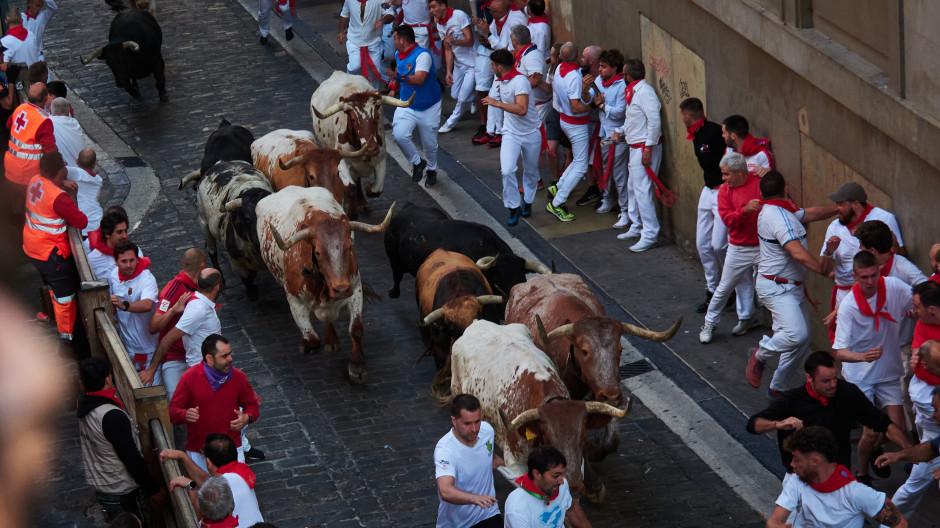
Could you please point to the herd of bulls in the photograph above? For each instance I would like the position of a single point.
(282, 203)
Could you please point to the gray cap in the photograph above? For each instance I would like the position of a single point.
(849, 192)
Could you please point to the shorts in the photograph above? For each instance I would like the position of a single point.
(883, 393)
(495, 521)
(553, 130)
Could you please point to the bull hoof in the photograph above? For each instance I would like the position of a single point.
(370, 193)
(595, 496)
(357, 375)
(331, 347)
(394, 293)
(313, 346)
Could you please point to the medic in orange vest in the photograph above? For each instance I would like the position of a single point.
(30, 136)
(49, 211)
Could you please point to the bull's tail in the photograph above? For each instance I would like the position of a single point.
(441, 394)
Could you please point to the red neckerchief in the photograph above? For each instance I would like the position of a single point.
(184, 278)
(512, 73)
(499, 25)
(28, 15)
(629, 91)
(110, 394)
(92, 174)
(612, 80)
(229, 522)
(403, 55)
(786, 204)
(886, 269)
(97, 242)
(521, 52)
(921, 372)
(363, 1)
(513, 7)
(18, 32)
(536, 19)
(840, 478)
(694, 128)
(935, 278)
(526, 484)
(861, 218)
(142, 264)
(752, 145)
(568, 67)
(813, 395)
(449, 13)
(241, 469)
(862, 302)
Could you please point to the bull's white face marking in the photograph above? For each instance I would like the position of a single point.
(279, 144)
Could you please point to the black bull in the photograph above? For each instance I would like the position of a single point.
(133, 51)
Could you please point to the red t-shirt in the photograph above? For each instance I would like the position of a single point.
(168, 296)
(924, 332)
(216, 408)
(742, 227)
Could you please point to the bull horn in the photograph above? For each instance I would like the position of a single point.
(358, 154)
(432, 317)
(130, 44)
(490, 299)
(194, 175)
(543, 336)
(536, 267)
(329, 111)
(609, 410)
(228, 207)
(527, 416)
(369, 228)
(290, 163)
(486, 263)
(651, 335)
(562, 331)
(391, 101)
(303, 234)
(97, 53)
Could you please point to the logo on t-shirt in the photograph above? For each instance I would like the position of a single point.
(443, 463)
(164, 305)
(489, 448)
(551, 517)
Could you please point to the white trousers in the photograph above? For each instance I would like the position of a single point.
(264, 16)
(579, 136)
(494, 116)
(355, 62)
(172, 372)
(908, 496)
(738, 276)
(711, 236)
(529, 145)
(791, 330)
(643, 194)
(618, 186)
(405, 122)
(463, 91)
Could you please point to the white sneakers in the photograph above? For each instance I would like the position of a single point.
(445, 128)
(605, 207)
(708, 331)
(622, 222)
(473, 108)
(634, 232)
(743, 326)
(642, 245)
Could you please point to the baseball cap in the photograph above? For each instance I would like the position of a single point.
(849, 192)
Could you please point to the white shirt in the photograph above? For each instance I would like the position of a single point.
(525, 511)
(501, 40)
(246, 503)
(775, 228)
(541, 35)
(615, 106)
(518, 125)
(529, 64)
(754, 160)
(37, 25)
(856, 332)
(20, 50)
(68, 137)
(415, 12)
(565, 89)
(360, 31)
(844, 508)
(472, 469)
(102, 265)
(465, 55)
(921, 394)
(848, 247)
(133, 327)
(642, 123)
(89, 186)
(198, 322)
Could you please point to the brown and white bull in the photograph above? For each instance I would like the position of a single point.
(523, 397)
(292, 157)
(451, 293)
(307, 243)
(582, 342)
(347, 115)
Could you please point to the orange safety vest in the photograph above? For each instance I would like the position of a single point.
(21, 161)
(44, 230)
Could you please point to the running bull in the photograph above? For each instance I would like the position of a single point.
(227, 143)
(133, 51)
(307, 243)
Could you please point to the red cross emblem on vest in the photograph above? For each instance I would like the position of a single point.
(20, 122)
(35, 192)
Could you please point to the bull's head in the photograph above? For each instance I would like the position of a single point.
(243, 217)
(505, 271)
(363, 118)
(321, 169)
(462, 311)
(121, 57)
(563, 424)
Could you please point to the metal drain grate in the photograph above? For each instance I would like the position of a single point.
(132, 161)
(636, 368)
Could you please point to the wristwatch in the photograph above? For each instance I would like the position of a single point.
(127, 306)
(192, 485)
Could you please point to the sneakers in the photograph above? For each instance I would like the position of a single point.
(642, 246)
(634, 232)
(552, 191)
(755, 369)
(743, 326)
(445, 128)
(604, 207)
(263, 40)
(882, 472)
(526, 210)
(592, 194)
(561, 212)
(430, 178)
(481, 131)
(417, 171)
(484, 139)
(708, 331)
(623, 222)
(703, 307)
(496, 141)
(473, 110)
(255, 454)
(514, 215)
(289, 34)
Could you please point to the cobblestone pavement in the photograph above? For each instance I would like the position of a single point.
(337, 454)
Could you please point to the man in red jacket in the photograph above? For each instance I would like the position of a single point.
(213, 397)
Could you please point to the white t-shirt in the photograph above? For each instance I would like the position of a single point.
(526, 511)
(531, 63)
(246, 503)
(133, 327)
(360, 31)
(565, 89)
(415, 12)
(102, 265)
(844, 508)
(20, 50)
(37, 25)
(615, 106)
(642, 123)
(89, 187)
(775, 228)
(423, 62)
(856, 332)
(541, 35)
(921, 394)
(501, 39)
(472, 469)
(68, 137)
(754, 160)
(198, 322)
(518, 125)
(848, 247)
(465, 55)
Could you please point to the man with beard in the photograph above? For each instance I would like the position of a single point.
(735, 130)
(543, 497)
(133, 296)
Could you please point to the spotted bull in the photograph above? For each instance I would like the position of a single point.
(307, 243)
